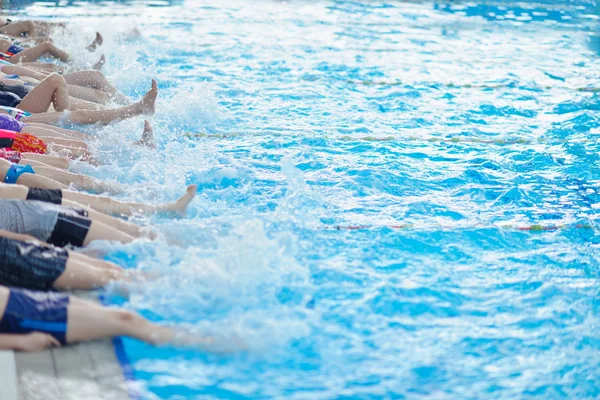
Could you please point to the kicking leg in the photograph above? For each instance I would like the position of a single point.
(100, 231)
(52, 90)
(19, 28)
(39, 131)
(63, 142)
(127, 227)
(38, 181)
(89, 94)
(95, 262)
(33, 127)
(115, 207)
(80, 181)
(82, 274)
(38, 51)
(94, 80)
(78, 104)
(40, 67)
(144, 106)
(88, 321)
(57, 162)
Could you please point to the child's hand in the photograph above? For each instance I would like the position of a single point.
(37, 341)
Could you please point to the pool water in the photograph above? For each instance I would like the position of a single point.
(396, 199)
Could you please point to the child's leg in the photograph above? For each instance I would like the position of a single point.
(127, 227)
(80, 181)
(52, 90)
(115, 207)
(100, 231)
(89, 94)
(88, 321)
(145, 106)
(40, 67)
(40, 128)
(57, 162)
(33, 163)
(91, 79)
(38, 181)
(38, 51)
(95, 262)
(19, 28)
(78, 104)
(82, 274)
(63, 142)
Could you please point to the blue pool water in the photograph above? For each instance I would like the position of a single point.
(447, 133)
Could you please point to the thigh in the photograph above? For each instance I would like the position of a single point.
(51, 118)
(81, 275)
(100, 231)
(88, 321)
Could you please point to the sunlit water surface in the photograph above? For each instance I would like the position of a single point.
(437, 130)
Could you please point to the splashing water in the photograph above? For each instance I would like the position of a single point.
(295, 118)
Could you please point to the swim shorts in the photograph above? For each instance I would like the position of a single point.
(30, 266)
(15, 171)
(10, 155)
(53, 196)
(19, 90)
(8, 99)
(26, 143)
(71, 227)
(8, 123)
(28, 311)
(14, 49)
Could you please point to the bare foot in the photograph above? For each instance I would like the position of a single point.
(97, 42)
(100, 63)
(147, 103)
(147, 138)
(181, 205)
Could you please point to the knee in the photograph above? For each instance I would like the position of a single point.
(30, 26)
(127, 317)
(56, 79)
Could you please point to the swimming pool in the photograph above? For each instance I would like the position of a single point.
(396, 199)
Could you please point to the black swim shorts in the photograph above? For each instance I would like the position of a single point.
(53, 196)
(71, 227)
(30, 266)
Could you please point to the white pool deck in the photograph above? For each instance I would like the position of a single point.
(83, 371)
(87, 371)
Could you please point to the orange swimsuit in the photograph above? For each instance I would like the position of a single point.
(22, 142)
